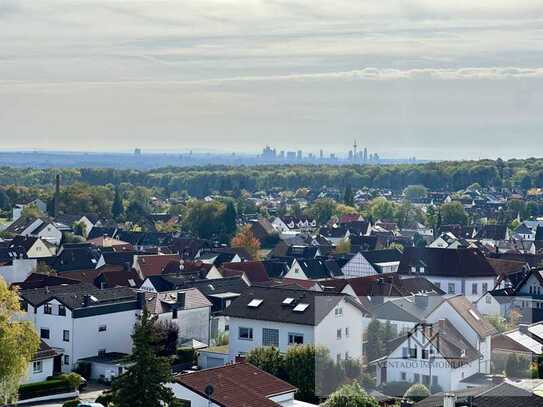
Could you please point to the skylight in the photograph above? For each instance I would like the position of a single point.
(93, 298)
(131, 282)
(255, 303)
(474, 315)
(288, 301)
(300, 307)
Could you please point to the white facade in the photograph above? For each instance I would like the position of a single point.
(358, 266)
(39, 370)
(83, 337)
(430, 368)
(191, 323)
(341, 332)
(472, 288)
(18, 271)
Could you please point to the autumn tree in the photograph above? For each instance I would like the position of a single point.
(246, 239)
(18, 344)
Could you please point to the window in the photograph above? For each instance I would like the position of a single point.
(412, 353)
(416, 378)
(47, 308)
(270, 337)
(339, 311)
(44, 333)
(37, 366)
(24, 305)
(61, 310)
(474, 288)
(403, 376)
(346, 332)
(485, 287)
(451, 288)
(338, 334)
(426, 380)
(174, 313)
(425, 353)
(66, 335)
(295, 339)
(405, 353)
(488, 299)
(246, 334)
(102, 328)
(66, 359)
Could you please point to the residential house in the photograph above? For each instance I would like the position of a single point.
(314, 269)
(234, 385)
(43, 228)
(82, 320)
(19, 208)
(42, 364)
(188, 308)
(492, 234)
(32, 247)
(455, 271)
(370, 263)
(156, 264)
(279, 317)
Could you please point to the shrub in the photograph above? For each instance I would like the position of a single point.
(417, 392)
(84, 369)
(39, 389)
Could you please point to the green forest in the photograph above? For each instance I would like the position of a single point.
(201, 181)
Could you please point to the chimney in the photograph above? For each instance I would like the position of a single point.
(523, 329)
(181, 300)
(449, 400)
(86, 300)
(421, 300)
(57, 196)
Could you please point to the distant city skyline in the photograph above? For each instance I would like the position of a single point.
(436, 80)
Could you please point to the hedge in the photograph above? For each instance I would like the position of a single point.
(40, 389)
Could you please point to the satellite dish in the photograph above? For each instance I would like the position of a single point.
(209, 390)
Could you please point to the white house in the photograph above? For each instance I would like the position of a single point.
(19, 208)
(81, 320)
(436, 355)
(17, 270)
(455, 271)
(280, 317)
(36, 227)
(188, 309)
(42, 364)
(373, 262)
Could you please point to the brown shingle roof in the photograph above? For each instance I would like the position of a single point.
(159, 303)
(152, 265)
(238, 385)
(465, 308)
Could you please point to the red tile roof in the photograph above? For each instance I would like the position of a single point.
(255, 271)
(237, 385)
(153, 265)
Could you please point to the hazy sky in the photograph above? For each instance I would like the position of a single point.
(431, 78)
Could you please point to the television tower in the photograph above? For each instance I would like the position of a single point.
(354, 150)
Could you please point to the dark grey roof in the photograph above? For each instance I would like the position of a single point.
(316, 269)
(169, 282)
(493, 232)
(445, 262)
(74, 296)
(415, 308)
(501, 395)
(319, 304)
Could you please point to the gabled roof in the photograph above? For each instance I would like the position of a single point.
(492, 232)
(237, 385)
(445, 262)
(160, 303)
(169, 282)
(101, 231)
(36, 280)
(155, 264)
(316, 305)
(501, 395)
(254, 271)
(316, 269)
(412, 309)
(475, 320)
(76, 257)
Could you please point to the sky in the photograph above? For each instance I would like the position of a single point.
(435, 79)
